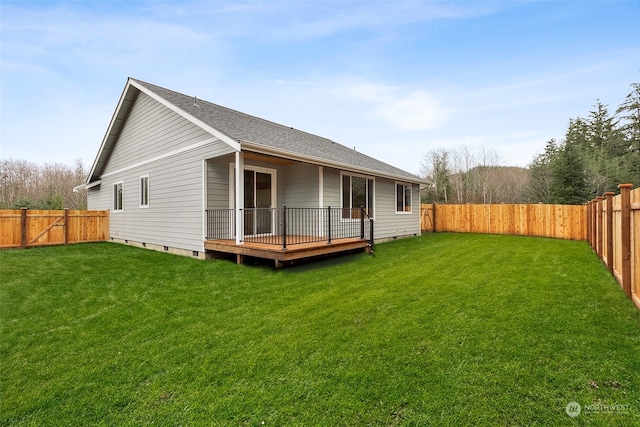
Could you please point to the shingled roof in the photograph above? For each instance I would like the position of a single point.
(253, 133)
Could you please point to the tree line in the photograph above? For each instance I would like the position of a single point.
(48, 186)
(596, 154)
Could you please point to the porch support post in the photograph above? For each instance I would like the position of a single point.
(320, 199)
(239, 195)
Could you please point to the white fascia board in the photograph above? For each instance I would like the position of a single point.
(231, 142)
(85, 186)
(258, 148)
(123, 96)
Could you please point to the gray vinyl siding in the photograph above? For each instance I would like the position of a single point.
(331, 187)
(175, 216)
(218, 182)
(152, 130)
(302, 186)
(387, 223)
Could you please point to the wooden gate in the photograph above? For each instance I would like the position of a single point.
(25, 228)
(427, 218)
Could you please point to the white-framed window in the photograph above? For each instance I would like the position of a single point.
(118, 196)
(357, 191)
(404, 197)
(144, 191)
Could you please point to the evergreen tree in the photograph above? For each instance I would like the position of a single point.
(540, 174)
(629, 113)
(569, 177)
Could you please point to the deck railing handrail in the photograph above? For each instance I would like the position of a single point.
(287, 226)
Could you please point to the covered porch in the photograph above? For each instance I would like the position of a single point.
(287, 234)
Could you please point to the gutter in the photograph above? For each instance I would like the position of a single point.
(85, 186)
(259, 148)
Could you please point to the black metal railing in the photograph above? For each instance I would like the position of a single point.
(290, 226)
(221, 224)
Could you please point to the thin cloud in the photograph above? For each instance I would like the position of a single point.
(413, 111)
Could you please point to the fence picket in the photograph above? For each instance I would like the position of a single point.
(27, 228)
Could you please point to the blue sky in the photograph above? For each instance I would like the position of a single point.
(395, 79)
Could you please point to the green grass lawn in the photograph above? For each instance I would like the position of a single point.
(443, 329)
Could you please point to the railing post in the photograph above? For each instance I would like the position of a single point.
(284, 226)
(362, 222)
(329, 224)
(23, 228)
(625, 228)
(609, 197)
(371, 234)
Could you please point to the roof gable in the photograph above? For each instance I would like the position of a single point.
(243, 131)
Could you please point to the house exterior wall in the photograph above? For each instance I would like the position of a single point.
(331, 188)
(301, 190)
(218, 182)
(173, 158)
(152, 130)
(388, 223)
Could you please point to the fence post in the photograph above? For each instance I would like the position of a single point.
(23, 228)
(362, 222)
(609, 196)
(600, 233)
(433, 218)
(594, 227)
(589, 225)
(625, 226)
(65, 226)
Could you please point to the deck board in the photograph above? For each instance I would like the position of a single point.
(294, 251)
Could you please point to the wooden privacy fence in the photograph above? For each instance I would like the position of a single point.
(559, 221)
(614, 234)
(25, 228)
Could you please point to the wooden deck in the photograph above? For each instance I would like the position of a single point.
(294, 251)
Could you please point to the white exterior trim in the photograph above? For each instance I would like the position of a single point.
(321, 196)
(239, 195)
(221, 136)
(162, 156)
(258, 148)
(113, 196)
(373, 196)
(395, 191)
(140, 191)
(204, 201)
